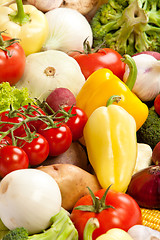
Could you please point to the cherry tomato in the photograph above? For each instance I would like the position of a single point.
(37, 150)
(34, 125)
(77, 122)
(124, 214)
(11, 66)
(5, 141)
(59, 138)
(16, 119)
(12, 158)
(157, 104)
(104, 58)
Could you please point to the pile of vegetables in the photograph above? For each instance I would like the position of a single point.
(79, 120)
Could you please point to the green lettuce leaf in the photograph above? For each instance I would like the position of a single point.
(13, 96)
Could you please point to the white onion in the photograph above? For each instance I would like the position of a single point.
(29, 198)
(68, 30)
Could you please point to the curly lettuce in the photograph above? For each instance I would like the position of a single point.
(12, 96)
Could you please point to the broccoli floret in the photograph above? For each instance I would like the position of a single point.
(16, 234)
(128, 26)
(61, 228)
(149, 133)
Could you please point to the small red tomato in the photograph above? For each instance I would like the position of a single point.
(11, 66)
(12, 158)
(4, 117)
(37, 150)
(157, 104)
(5, 141)
(34, 125)
(77, 122)
(59, 138)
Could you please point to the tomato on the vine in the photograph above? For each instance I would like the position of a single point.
(12, 158)
(103, 58)
(12, 60)
(59, 138)
(17, 118)
(76, 123)
(5, 141)
(37, 150)
(34, 125)
(122, 212)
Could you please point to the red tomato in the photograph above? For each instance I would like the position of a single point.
(5, 141)
(59, 138)
(157, 104)
(12, 67)
(104, 58)
(124, 215)
(16, 119)
(77, 122)
(34, 125)
(37, 150)
(12, 158)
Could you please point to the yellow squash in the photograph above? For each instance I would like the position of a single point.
(110, 137)
(102, 84)
(28, 24)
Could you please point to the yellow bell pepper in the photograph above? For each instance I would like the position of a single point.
(102, 84)
(26, 23)
(115, 234)
(110, 137)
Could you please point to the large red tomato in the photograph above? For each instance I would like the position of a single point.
(122, 212)
(103, 58)
(12, 61)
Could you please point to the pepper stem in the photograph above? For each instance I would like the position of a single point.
(19, 16)
(90, 226)
(133, 70)
(112, 99)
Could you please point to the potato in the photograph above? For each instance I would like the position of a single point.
(75, 155)
(72, 181)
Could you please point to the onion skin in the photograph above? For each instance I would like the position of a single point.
(144, 187)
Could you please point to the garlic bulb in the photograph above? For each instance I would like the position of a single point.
(147, 84)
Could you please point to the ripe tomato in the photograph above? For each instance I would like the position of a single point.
(103, 58)
(16, 119)
(12, 158)
(77, 122)
(59, 138)
(124, 214)
(34, 125)
(5, 141)
(157, 104)
(37, 150)
(11, 67)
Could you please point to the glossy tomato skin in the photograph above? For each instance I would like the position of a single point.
(5, 141)
(12, 68)
(157, 104)
(12, 158)
(6, 126)
(34, 125)
(77, 122)
(126, 213)
(37, 150)
(59, 139)
(104, 58)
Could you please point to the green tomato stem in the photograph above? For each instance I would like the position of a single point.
(20, 17)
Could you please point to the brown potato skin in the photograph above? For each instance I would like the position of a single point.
(72, 181)
(75, 155)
